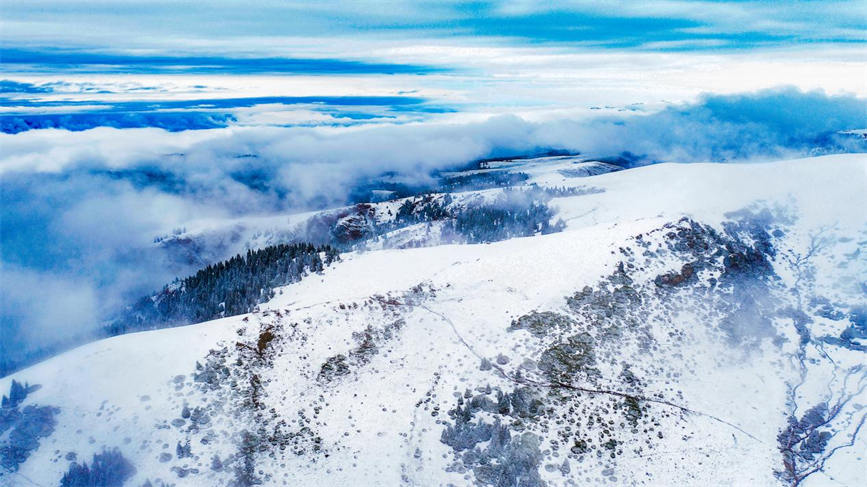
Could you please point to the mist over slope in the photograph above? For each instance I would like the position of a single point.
(695, 335)
(81, 210)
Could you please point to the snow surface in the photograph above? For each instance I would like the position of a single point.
(435, 312)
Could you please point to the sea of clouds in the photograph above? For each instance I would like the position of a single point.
(80, 209)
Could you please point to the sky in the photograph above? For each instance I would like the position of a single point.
(456, 60)
(122, 120)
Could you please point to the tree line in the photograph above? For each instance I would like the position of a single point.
(231, 287)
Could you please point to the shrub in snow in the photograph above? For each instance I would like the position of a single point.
(108, 469)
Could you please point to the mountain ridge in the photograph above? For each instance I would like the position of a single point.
(649, 329)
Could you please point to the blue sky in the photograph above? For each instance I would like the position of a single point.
(733, 24)
(468, 58)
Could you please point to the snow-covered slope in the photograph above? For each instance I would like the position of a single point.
(699, 324)
(203, 242)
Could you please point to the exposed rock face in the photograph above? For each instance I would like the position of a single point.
(356, 225)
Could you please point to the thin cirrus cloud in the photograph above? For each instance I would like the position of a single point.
(736, 24)
(460, 55)
(16, 87)
(52, 60)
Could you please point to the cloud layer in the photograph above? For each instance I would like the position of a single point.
(80, 209)
(84, 61)
(22, 114)
(672, 23)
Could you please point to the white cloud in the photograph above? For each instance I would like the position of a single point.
(54, 308)
(84, 206)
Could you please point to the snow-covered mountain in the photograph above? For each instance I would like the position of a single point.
(694, 324)
(203, 242)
